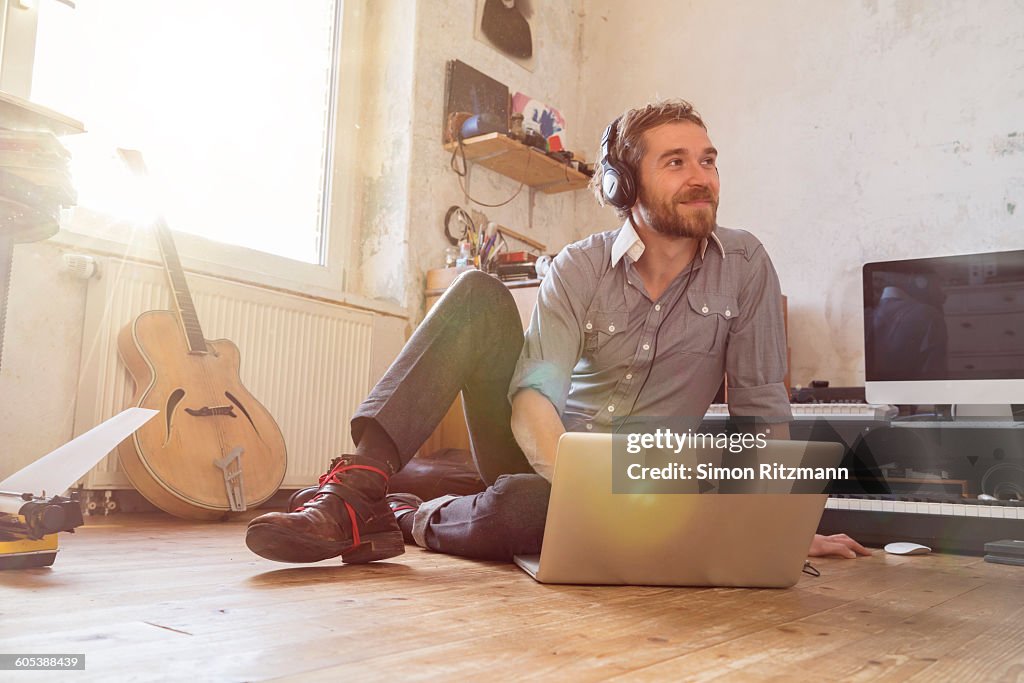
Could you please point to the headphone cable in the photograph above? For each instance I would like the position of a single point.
(461, 151)
(657, 334)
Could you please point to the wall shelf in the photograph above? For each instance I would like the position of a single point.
(519, 162)
(19, 114)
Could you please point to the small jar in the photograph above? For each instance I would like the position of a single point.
(465, 259)
(515, 127)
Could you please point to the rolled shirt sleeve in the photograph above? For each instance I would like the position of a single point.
(553, 343)
(756, 348)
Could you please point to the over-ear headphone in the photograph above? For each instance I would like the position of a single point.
(618, 184)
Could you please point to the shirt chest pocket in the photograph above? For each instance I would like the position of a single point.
(709, 317)
(602, 330)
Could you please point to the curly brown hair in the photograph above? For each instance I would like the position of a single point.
(630, 146)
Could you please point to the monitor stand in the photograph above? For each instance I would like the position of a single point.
(982, 412)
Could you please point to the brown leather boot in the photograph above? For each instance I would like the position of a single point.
(348, 516)
(301, 497)
(403, 505)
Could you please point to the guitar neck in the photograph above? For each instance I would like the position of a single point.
(182, 297)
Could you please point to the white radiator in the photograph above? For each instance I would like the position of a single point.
(307, 361)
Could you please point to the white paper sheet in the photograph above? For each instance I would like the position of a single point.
(55, 472)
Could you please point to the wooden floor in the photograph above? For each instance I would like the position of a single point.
(147, 597)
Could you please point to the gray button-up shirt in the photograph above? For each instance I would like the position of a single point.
(598, 347)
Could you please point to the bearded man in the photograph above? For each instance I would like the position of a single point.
(643, 320)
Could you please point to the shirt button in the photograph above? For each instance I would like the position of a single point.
(657, 307)
(647, 347)
(589, 426)
(727, 313)
(611, 409)
(629, 375)
(589, 326)
(611, 328)
(705, 309)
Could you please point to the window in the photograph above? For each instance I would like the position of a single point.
(231, 104)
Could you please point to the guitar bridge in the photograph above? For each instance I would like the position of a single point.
(231, 464)
(207, 411)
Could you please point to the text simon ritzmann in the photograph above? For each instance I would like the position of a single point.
(766, 471)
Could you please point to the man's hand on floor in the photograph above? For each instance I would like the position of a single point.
(836, 544)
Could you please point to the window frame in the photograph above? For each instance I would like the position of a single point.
(339, 247)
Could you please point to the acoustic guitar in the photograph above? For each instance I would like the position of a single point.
(214, 449)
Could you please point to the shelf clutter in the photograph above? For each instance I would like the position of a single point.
(522, 163)
(35, 183)
(440, 279)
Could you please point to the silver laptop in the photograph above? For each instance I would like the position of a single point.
(594, 536)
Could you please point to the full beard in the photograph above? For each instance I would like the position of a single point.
(664, 217)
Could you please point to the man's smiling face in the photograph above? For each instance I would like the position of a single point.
(678, 181)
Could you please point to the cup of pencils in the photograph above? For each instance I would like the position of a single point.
(489, 244)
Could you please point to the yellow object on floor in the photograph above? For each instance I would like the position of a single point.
(24, 553)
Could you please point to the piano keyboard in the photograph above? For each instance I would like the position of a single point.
(958, 527)
(829, 411)
(979, 509)
(947, 523)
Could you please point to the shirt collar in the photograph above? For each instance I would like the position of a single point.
(628, 242)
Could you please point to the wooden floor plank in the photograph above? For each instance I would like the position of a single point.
(927, 641)
(892, 605)
(758, 655)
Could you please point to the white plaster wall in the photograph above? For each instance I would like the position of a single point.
(849, 131)
(387, 72)
(406, 183)
(445, 31)
(43, 340)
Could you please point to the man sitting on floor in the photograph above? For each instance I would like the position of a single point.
(642, 320)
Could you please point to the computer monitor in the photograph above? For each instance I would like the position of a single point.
(946, 330)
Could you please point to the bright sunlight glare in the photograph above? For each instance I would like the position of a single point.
(227, 101)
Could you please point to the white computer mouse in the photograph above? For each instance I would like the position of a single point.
(907, 549)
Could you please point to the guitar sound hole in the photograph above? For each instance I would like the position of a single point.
(245, 412)
(172, 402)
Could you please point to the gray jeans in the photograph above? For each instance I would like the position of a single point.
(469, 342)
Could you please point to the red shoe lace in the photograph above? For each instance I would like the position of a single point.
(339, 465)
